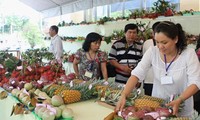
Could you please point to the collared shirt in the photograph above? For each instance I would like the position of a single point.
(132, 58)
(56, 47)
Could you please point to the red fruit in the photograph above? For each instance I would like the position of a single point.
(169, 12)
(62, 71)
(13, 82)
(41, 69)
(71, 58)
(21, 85)
(37, 77)
(23, 77)
(125, 113)
(139, 114)
(3, 71)
(27, 78)
(49, 72)
(5, 80)
(164, 112)
(31, 77)
(131, 108)
(50, 78)
(47, 67)
(26, 72)
(71, 76)
(148, 117)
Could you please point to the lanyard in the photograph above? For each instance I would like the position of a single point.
(91, 57)
(167, 67)
(91, 65)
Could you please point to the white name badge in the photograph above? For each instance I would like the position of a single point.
(166, 80)
(88, 74)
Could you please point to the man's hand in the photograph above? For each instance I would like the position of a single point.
(125, 68)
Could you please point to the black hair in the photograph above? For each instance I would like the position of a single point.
(130, 26)
(91, 37)
(198, 43)
(54, 27)
(172, 31)
(154, 25)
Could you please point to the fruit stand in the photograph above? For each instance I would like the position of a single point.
(86, 110)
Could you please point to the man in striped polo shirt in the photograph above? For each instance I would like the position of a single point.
(126, 53)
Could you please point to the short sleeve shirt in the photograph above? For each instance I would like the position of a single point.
(90, 65)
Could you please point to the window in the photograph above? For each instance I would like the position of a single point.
(102, 11)
(77, 17)
(124, 8)
(116, 10)
(149, 4)
(131, 5)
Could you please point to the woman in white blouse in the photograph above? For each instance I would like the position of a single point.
(176, 69)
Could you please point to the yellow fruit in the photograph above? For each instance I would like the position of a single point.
(71, 96)
(140, 103)
(59, 90)
(152, 98)
(101, 88)
(77, 81)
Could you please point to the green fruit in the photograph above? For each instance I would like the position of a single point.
(67, 113)
(14, 92)
(62, 107)
(22, 95)
(41, 111)
(26, 100)
(37, 109)
(57, 100)
(58, 112)
(48, 115)
(28, 86)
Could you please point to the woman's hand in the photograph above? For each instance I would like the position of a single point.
(121, 103)
(175, 105)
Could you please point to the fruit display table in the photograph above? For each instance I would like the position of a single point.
(89, 110)
(6, 106)
(86, 110)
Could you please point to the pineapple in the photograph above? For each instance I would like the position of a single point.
(59, 90)
(101, 90)
(140, 103)
(77, 81)
(71, 96)
(101, 87)
(86, 91)
(48, 88)
(152, 98)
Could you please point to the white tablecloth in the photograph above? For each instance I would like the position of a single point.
(86, 110)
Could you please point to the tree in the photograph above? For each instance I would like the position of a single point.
(32, 33)
(15, 23)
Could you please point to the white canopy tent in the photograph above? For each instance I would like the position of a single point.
(50, 8)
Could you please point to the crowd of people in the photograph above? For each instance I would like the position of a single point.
(164, 64)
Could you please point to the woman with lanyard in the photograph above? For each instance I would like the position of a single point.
(176, 69)
(89, 60)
